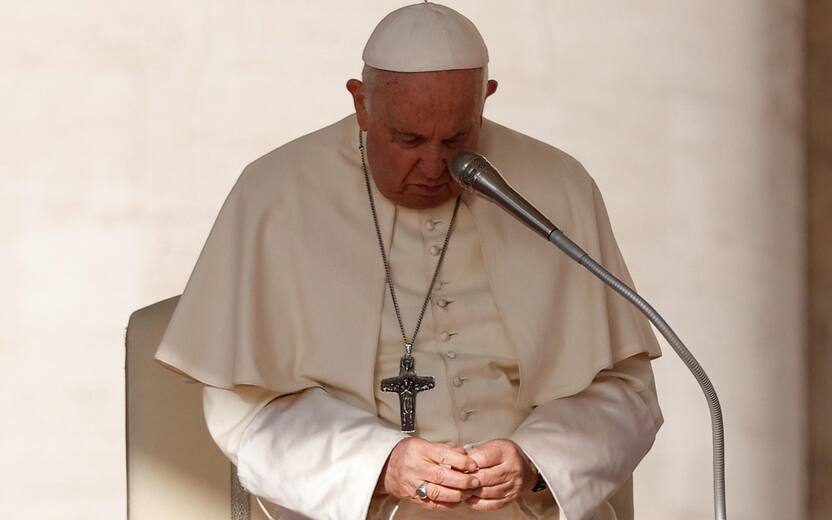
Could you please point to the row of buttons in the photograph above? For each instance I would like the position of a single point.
(445, 336)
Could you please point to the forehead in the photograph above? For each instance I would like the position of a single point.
(418, 101)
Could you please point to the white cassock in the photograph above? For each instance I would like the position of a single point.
(286, 321)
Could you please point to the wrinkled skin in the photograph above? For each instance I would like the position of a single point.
(415, 123)
(448, 472)
(504, 474)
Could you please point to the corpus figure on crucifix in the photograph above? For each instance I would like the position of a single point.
(407, 384)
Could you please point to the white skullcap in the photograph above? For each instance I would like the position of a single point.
(425, 37)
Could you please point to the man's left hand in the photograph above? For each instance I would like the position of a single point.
(505, 473)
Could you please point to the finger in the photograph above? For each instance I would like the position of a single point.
(441, 454)
(458, 450)
(441, 494)
(438, 506)
(506, 490)
(494, 475)
(447, 477)
(486, 455)
(485, 504)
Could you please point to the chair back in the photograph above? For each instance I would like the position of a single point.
(174, 469)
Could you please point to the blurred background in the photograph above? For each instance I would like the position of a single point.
(706, 125)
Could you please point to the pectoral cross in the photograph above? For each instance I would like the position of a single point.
(407, 384)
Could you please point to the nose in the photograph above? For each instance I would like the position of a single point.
(433, 162)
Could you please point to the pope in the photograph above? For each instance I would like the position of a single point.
(373, 341)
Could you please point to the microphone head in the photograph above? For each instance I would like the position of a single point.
(466, 165)
(476, 174)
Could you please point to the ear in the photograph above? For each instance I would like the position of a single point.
(356, 89)
(490, 88)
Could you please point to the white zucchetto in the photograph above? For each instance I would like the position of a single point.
(425, 37)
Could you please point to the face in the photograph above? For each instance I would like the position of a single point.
(415, 123)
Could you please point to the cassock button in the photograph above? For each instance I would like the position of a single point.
(457, 381)
(463, 415)
(444, 336)
(451, 354)
(430, 225)
(442, 303)
(435, 250)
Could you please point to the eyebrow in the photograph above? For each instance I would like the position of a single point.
(405, 133)
(415, 135)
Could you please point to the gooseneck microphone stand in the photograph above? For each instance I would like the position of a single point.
(476, 174)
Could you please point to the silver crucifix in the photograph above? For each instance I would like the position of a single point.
(407, 384)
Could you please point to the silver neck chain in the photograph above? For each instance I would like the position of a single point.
(408, 344)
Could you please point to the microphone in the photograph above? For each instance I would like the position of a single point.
(474, 173)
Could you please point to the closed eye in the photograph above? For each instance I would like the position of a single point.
(458, 138)
(409, 139)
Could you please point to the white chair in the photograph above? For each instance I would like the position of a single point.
(174, 469)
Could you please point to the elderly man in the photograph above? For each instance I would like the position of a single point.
(375, 342)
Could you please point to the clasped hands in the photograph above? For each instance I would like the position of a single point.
(486, 477)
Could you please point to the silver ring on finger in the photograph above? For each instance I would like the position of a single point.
(422, 491)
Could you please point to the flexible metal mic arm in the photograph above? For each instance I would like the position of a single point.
(476, 174)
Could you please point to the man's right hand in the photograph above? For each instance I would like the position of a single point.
(414, 461)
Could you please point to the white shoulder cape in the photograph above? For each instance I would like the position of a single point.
(288, 290)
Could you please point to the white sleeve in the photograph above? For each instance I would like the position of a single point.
(587, 445)
(307, 452)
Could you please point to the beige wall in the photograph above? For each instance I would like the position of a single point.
(125, 123)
